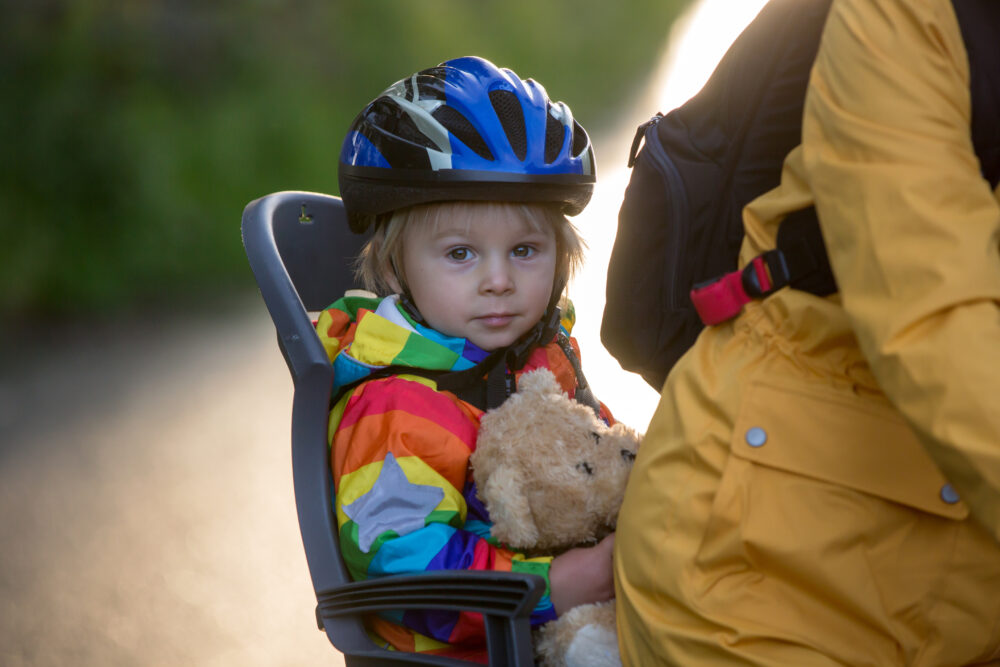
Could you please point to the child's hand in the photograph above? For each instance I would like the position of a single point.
(582, 575)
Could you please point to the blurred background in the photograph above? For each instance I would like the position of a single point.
(146, 509)
(134, 132)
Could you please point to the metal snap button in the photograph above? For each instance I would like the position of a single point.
(756, 436)
(949, 494)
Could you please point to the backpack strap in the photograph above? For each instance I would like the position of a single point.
(979, 22)
(799, 261)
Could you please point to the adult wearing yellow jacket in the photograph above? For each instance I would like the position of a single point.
(820, 484)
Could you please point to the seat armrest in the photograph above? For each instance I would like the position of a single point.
(507, 594)
(506, 600)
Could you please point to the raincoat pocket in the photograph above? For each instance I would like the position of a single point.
(838, 438)
(830, 525)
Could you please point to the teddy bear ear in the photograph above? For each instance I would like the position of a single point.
(539, 381)
(513, 522)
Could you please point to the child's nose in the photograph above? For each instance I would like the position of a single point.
(497, 277)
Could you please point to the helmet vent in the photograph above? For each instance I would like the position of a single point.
(388, 115)
(580, 139)
(459, 125)
(511, 116)
(554, 134)
(429, 84)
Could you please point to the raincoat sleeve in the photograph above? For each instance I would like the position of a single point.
(404, 498)
(912, 227)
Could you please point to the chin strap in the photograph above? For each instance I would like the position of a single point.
(500, 377)
(500, 365)
(540, 334)
(406, 301)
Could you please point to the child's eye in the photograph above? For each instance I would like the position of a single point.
(458, 254)
(523, 251)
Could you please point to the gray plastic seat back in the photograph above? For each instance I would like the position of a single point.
(301, 252)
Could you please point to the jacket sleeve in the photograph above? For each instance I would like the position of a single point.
(404, 499)
(911, 226)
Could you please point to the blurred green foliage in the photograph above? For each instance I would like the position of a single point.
(133, 133)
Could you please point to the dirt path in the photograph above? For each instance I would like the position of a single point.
(146, 506)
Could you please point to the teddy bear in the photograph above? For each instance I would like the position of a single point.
(552, 476)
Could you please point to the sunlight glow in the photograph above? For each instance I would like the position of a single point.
(697, 42)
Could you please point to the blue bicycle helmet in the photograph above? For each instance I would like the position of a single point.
(464, 130)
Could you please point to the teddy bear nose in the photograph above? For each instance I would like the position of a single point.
(585, 467)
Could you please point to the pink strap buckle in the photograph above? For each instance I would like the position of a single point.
(723, 298)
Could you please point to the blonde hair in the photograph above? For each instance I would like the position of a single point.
(382, 255)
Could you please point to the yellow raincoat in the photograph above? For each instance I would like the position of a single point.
(820, 484)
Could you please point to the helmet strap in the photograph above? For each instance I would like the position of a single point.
(406, 301)
(540, 334)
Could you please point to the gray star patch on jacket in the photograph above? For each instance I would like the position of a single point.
(393, 503)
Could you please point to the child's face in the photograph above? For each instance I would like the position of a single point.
(487, 279)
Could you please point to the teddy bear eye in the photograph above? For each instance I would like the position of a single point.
(585, 467)
(596, 436)
(628, 456)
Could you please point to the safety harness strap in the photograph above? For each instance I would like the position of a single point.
(490, 382)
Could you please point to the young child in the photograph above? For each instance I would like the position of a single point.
(465, 172)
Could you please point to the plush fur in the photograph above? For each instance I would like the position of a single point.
(552, 476)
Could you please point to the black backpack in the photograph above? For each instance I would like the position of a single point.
(680, 226)
(681, 220)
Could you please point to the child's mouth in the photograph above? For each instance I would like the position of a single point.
(496, 320)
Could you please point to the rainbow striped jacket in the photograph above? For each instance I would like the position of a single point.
(404, 497)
